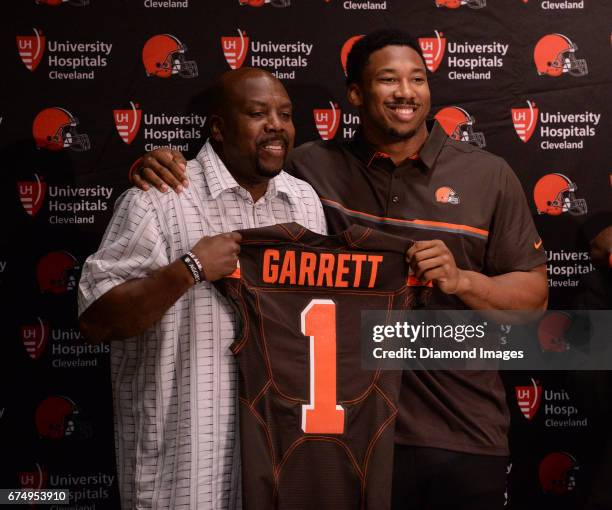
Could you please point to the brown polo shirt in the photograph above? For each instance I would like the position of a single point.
(471, 200)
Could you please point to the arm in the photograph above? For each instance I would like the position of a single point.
(517, 290)
(131, 307)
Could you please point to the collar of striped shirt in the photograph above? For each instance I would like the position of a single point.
(219, 179)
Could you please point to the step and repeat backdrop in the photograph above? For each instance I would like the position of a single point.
(89, 85)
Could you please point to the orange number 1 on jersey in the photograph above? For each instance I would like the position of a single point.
(322, 415)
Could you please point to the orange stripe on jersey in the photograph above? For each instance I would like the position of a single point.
(422, 224)
(413, 281)
(234, 274)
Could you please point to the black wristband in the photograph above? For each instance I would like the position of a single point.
(194, 265)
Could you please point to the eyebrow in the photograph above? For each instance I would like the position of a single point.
(394, 70)
(255, 102)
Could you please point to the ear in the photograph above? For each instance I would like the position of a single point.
(216, 128)
(353, 94)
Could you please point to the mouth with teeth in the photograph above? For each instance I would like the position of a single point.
(403, 112)
(274, 147)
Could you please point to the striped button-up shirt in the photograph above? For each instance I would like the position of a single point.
(174, 386)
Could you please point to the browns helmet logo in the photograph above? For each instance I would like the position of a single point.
(327, 121)
(34, 337)
(54, 129)
(261, 3)
(447, 195)
(163, 56)
(525, 121)
(459, 125)
(57, 272)
(58, 417)
(235, 49)
(35, 479)
(128, 122)
(553, 194)
(55, 3)
(554, 55)
(433, 49)
(346, 49)
(529, 399)
(552, 330)
(32, 194)
(557, 473)
(31, 49)
(455, 4)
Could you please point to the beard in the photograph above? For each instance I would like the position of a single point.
(266, 170)
(399, 135)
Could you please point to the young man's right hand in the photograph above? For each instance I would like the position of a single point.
(161, 168)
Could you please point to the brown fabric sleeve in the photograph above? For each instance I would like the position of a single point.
(514, 243)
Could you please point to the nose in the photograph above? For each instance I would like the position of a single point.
(404, 89)
(274, 122)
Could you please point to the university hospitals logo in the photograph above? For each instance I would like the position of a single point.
(54, 129)
(346, 49)
(35, 479)
(327, 121)
(31, 49)
(455, 4)
(32, 194)
(67, 59)
(525, 121)
(34, 337)
(281, 58)
(560, 130)
(554, 55)
(235, 49)
(163, 56)
(433, 50)
(459, 125)
(529, 399)
(128, 122)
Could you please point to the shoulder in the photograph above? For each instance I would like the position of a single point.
(316, 150)
(298, 187)
(474, 163)
(466, 151)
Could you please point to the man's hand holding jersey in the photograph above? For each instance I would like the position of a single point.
(138, 303)
(516, 290)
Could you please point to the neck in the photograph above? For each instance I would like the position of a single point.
(255, 185)
(256, 190)
(399, 149)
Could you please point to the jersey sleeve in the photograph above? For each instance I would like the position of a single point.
(514, 243)
(132, 247)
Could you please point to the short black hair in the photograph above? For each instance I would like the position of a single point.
(360, 52)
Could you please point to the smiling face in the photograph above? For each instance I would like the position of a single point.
(255, 129)
(392, 96)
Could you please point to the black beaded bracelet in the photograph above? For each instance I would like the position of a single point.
(194, 265)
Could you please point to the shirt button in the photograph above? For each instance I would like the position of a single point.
(395, 199)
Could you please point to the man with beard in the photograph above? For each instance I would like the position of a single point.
(148, 290)
(477, 243)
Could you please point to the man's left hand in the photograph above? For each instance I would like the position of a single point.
(432, 260)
